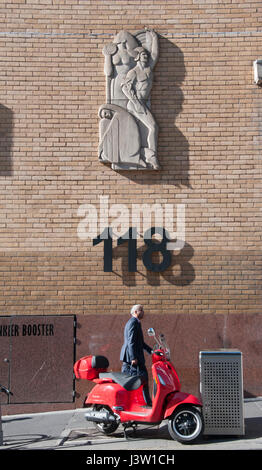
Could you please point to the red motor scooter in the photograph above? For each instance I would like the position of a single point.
(118, 398)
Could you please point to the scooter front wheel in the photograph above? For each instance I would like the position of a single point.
(185, 424)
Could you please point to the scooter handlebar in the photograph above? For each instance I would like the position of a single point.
(158, 353)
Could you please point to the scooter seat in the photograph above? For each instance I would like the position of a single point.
(128, 382)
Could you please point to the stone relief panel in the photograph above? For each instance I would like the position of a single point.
(127, 129)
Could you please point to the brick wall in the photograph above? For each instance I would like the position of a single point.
(208, 111)
(209, 114)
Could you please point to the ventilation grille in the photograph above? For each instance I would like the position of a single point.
(222, 392)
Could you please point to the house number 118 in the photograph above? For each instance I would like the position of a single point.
(131, 239)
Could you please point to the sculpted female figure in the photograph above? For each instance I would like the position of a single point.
(119, 58)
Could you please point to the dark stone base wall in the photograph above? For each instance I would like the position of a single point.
(187, 335)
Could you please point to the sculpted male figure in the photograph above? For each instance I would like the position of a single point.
(137, 86)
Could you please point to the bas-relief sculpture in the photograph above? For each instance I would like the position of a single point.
(127, 129)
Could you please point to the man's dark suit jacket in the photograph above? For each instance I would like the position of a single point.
(134, 345)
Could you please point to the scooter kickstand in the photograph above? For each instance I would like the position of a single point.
(129, 425)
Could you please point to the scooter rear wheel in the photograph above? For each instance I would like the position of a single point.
(106, 428)
(185, 424)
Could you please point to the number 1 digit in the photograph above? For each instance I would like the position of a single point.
(106, 237)
(130, 237)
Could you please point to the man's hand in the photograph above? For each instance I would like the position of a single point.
(134, 362)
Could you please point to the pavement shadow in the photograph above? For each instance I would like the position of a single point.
(253, 430)
(253, 427)
(20, 442)
(20, 418)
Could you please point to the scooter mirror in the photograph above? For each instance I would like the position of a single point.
(151, 332)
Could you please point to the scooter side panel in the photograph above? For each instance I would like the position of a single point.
(113, 395)
(180, 398)
(110, 394)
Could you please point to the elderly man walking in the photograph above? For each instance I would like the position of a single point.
(132, 352)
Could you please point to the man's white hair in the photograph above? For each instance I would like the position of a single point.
(134, 308)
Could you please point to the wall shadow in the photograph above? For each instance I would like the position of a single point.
(181, 272)
(6, 141)
(166, 104)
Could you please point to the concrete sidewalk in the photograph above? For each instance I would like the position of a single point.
(68, 430)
